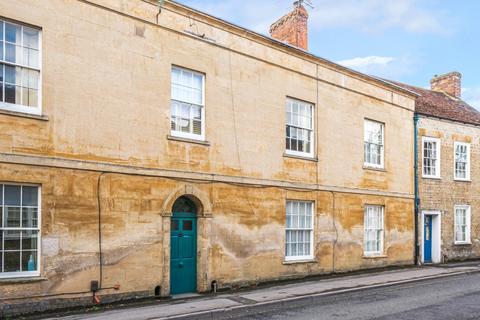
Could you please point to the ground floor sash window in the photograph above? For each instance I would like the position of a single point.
(19, 230)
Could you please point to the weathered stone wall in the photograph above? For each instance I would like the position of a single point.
(444, 193)
(106, 94)
(241, 234)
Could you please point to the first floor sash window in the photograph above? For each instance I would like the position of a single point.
(299, 128)
(20, 68)
(374, 144)
(431, 157)
(462, 161)
(188, 104)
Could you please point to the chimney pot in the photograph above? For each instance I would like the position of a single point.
(450, 83)
(292, 28)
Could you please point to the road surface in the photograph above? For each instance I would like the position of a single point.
(456, 297)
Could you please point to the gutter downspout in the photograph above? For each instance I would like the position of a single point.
(417, 198)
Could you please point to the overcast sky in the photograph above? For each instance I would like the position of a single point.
(405, 40)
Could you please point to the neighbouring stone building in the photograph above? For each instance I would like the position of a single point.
(148, 152)
(448, 172)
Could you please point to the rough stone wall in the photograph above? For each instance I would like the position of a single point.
(443, 194)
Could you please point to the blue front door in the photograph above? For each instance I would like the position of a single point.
(427, 239)
(183, 247)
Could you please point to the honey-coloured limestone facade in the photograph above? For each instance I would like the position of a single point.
(175, 145)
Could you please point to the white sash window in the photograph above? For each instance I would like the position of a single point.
(462, 161)
(462, 224)
(299, 230)
(431, 157)
(19, 230)
(299, 128)
(374, 144)
(20, 68)
(374, 228)
(188, 104)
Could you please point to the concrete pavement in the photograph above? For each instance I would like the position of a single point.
(231, 304)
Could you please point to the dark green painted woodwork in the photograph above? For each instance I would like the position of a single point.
(183, 252)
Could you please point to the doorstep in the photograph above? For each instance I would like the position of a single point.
(185, 296)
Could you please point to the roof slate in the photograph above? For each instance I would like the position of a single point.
(441, 105)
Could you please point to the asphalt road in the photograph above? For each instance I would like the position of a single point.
(456, 297)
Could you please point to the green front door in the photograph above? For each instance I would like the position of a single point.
(183, 254)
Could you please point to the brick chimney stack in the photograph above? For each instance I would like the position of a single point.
(450, 83)
(292, 28)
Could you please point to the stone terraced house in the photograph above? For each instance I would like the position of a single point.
(448, 172)
(148, 152)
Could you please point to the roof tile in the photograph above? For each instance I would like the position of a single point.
(441, 105)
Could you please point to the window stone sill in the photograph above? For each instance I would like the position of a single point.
(201, 142)
(24, 115)
(21, 280)
(463, 180)
(462, 243)
(379, 256)
(431, 178)
(288, 262)
(287, 155)
(374, 169)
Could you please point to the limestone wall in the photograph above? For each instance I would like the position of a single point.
(106, 93)
(106, 109)
(241, 234)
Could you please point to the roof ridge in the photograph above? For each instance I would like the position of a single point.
(440, 104)
(450, 96)
(430, 90)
